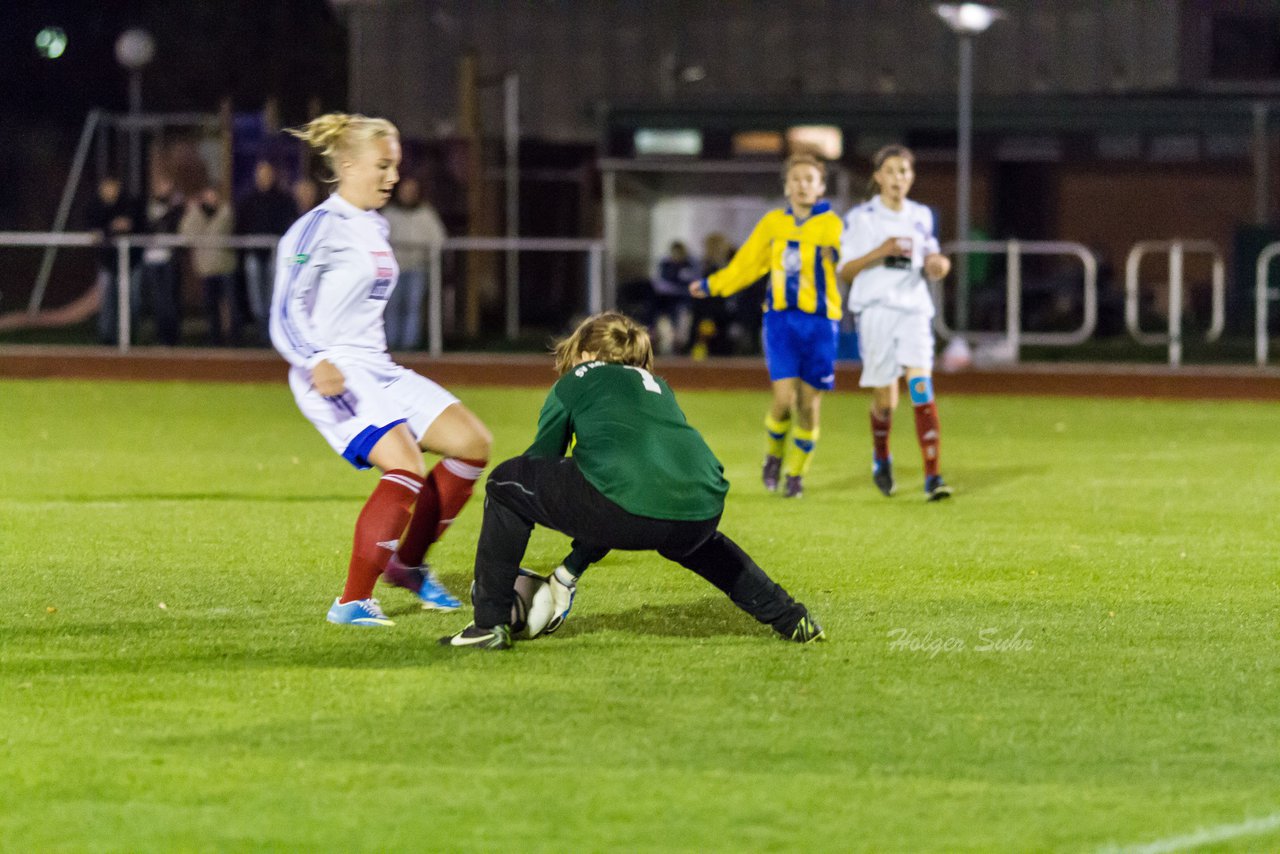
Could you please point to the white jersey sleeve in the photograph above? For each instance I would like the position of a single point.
(300, 262)
(929, 229)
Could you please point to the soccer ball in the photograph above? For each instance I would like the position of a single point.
(533, 607)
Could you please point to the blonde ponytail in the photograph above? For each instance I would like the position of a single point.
(336, 134)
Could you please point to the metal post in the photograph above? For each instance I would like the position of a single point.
(124, 296)
(511, 129)
(609, 192)
(103, 146)
(479, 214)
(964, 176)
(135, 133)
(1013, 299)
(355, 85)
(1262, 297)
(435, 302)
(64, 207)
(595, 280)
(1260, 162)
(1175, 304)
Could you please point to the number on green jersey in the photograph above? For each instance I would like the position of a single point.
(650, 384)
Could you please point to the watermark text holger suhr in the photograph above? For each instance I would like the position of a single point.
(987, 640)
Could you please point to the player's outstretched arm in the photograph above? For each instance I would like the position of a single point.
(746, 267)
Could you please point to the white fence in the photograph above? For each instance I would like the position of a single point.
(1177, 250)
(593, 249)
(1014, 250)
(1262, 299)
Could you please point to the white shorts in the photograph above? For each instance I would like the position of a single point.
(374, 402)
(890, 340)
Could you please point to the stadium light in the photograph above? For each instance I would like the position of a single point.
(51, 42)
(134, 51)
(966, 20)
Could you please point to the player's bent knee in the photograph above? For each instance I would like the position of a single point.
(921, 390)
(477, 447)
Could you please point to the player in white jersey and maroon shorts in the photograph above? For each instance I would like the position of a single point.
(892, 251)
(334, 273)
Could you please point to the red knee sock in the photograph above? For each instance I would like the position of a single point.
(880, 434)
(448, 487)
(927, 433)
(381, 522)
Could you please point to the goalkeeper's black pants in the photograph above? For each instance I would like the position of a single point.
(527, 491)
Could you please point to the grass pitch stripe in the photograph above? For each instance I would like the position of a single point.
(1200, 838)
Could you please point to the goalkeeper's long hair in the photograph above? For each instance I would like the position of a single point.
(610, 337)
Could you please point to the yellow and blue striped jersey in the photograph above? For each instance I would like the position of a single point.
(800, 258)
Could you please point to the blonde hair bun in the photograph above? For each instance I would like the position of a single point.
(336, 134)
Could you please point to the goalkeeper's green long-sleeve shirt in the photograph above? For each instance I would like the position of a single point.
(632, 442)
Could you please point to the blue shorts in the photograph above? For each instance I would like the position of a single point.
(798, 344)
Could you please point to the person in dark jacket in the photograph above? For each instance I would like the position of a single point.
(111, 213)
(266, 209)
(161, 275)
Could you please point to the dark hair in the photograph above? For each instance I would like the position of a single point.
(878, 159)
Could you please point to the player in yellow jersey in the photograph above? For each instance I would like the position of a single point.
(797, 247)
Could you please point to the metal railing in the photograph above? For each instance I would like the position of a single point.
(1263, 294)
(1013, 251)
(1177, 249)
(594, 250)
(168, 241)
(435, 276)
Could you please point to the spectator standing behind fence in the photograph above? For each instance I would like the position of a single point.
(111, 213)
(726, 326)
(266, 209)
(161, 279)
(415, 228)
(209, 216)
(670, 315)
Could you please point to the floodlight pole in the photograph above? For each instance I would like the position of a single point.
(511, 134)
(966, 20)
(134, 49)
(964, 176)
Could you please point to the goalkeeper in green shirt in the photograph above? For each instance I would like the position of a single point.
(640, 478)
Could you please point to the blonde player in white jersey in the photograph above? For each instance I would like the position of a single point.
(334, 273)
(892, 252)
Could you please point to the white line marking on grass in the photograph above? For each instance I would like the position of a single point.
(1203, 836)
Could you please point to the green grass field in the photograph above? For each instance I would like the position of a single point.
(1077, 653)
